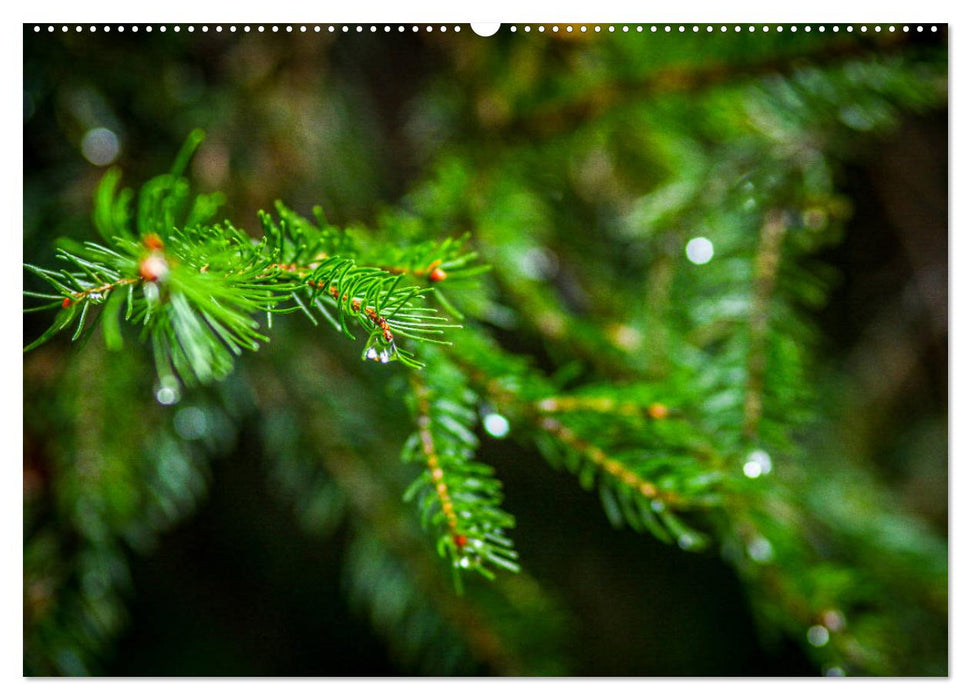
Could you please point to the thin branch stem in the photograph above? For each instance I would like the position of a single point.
(356, 304)
(610, 465)
(767, 258)
(602, 404)
(107, 287)
(432, 460)
(605, 463)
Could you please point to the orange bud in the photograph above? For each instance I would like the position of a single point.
(152, 241)
(460, 540)
(657, 411)
(437, 275)
(66, 303)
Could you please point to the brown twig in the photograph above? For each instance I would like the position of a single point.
(76, 297)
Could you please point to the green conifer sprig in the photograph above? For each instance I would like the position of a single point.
(644, 476)
(195, 287)
(457, 496)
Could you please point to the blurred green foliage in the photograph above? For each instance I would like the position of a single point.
(664, 316)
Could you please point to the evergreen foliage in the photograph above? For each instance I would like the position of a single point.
(555, 206)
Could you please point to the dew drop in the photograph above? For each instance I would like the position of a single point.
(100, 146)
(760, 549)
(699, 250)
(167, 392)
(757, 464)
(379, 350)
(151, 292)
(818, 635)
(496, 425)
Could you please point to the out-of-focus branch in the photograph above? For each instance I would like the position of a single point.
(558, 116)
(766, 268)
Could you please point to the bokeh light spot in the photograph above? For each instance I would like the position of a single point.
(699, 250)
(100, 146)
(496, 425)
(818, 635)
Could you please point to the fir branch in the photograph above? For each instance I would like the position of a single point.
(609, 465)
(434, 261)
(627, 496)
(552, 118)
(685, 462)
(457, 496)
(200, 284)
